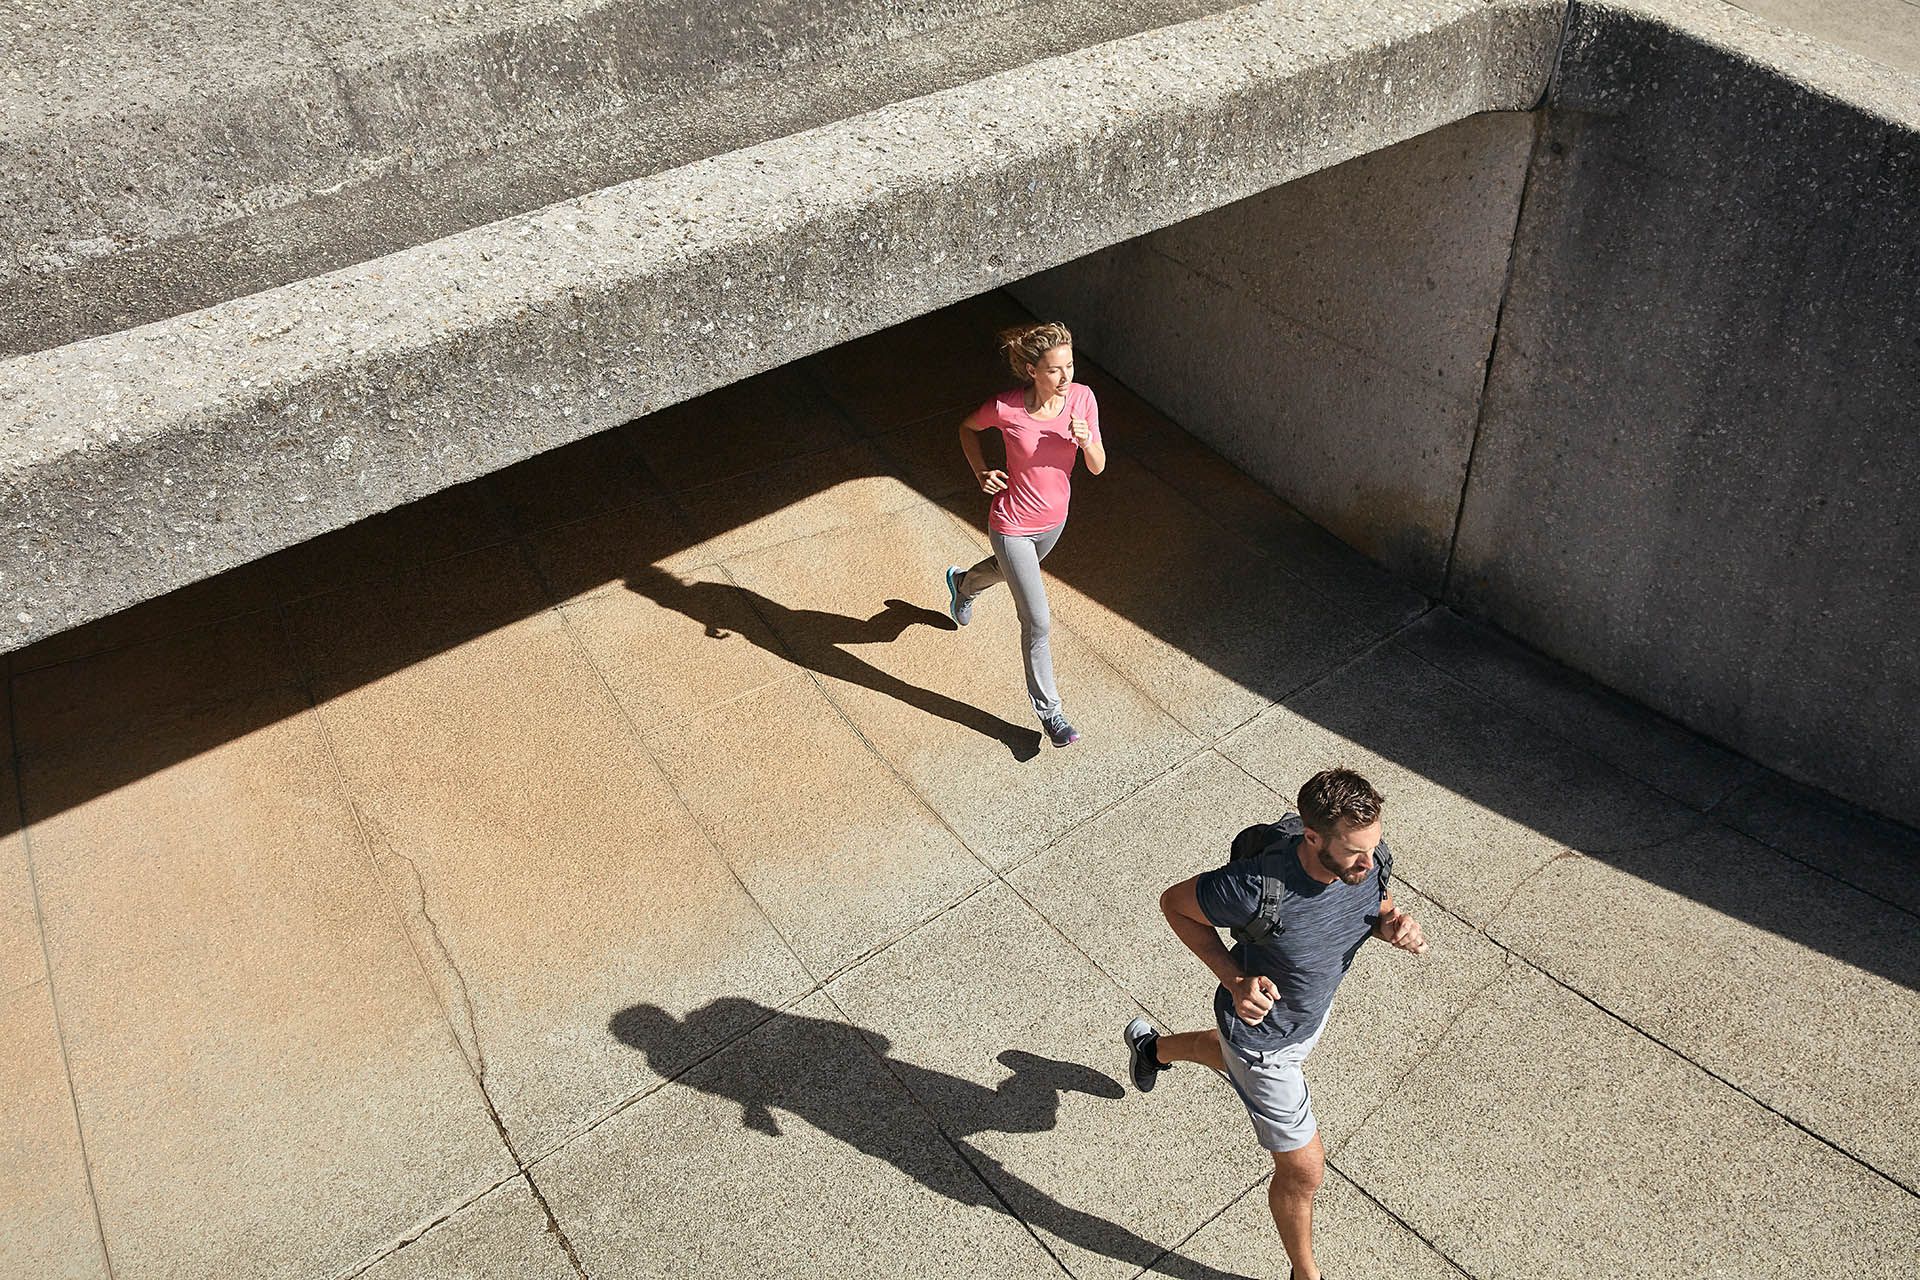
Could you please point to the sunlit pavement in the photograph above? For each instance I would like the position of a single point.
(620, 866)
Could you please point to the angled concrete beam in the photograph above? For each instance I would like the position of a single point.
(144, 460)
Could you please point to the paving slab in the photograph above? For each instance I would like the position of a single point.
(948, 709)
(1361, 592)
(841, 855)
(794, 1152)
(547, 871)
(1101, 886)
(1209, 628)
(747, 426)
(1545, 1139)
(47, 1227)
(989, 989)
(1478, 798)
(1758, 968)
(1352, 1236)
(599, 473)
(849, 487)
(267, 1083)
(597, 554)
(1863, 849)
(501, 1236)
(1658, 752)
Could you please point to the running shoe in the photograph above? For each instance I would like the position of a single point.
(1143, 1063)
(961, 611)
(1062, 733)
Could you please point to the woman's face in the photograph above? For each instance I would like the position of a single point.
(1054, 372)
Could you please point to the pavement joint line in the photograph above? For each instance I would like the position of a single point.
(1514, 956)
(367, 829)
(959, 1149)
(53, 990)
(1707, 816)
(1208, 1221)
(1410, 1229)
(420, 1231)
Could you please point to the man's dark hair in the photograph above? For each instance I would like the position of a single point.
(1334, 796)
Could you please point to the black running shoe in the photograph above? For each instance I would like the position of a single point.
(1062, 733)
(1145, 1067)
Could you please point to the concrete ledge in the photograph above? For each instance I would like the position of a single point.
(156, 171)
(145, 460)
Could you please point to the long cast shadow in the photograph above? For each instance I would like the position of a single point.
(802, 1074)
(814, 639)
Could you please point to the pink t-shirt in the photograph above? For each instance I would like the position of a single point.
(1040, 455)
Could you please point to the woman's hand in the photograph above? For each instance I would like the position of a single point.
(991, 481)
(1080, 432)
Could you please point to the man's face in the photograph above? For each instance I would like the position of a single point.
(1347, 853)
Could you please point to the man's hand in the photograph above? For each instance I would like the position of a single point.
(1252, 997)
(1403, 931)
(992, 481)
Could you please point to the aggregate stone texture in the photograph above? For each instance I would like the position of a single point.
(949, 708)
(47, 1226)
(798, 1149)
(1648, 503)
(1657, 752)
(408, 123)
(1545, 1139)
(265, 1078)
(288, 412)
(1480, 799)
(1759, 969)
(504, 1235)
(1352, 1236)
(1330, 335)
(552, 815)
(989, 988)
(546, 869)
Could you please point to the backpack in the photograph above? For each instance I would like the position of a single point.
(1256, 841)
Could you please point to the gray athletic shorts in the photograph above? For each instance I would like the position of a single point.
(1275, 1090)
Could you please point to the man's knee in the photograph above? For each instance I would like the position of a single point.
(1300, 1172)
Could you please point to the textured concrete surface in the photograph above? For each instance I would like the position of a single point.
(182, 155)
(465, 909)
(1329, 336)
(1696, 460)
(150, 458)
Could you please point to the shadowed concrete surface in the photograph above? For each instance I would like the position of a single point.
(620, 866)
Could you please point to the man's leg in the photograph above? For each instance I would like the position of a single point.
(1202, 1047)
(1296, 1177)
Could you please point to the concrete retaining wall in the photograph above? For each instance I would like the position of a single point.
(144, 460)
(1694, 469)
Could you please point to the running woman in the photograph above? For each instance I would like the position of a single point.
(1046, 423)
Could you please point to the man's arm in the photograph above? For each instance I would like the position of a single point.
(1399, 928)
(1252, 996)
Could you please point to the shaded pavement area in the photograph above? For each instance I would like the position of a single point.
(620, 866)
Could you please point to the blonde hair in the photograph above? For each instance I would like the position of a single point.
(1027, 344)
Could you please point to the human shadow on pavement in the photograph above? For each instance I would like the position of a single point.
(813, 638)
(818, 1071)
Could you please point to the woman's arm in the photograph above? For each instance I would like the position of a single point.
(989, 480)
(1086, 434)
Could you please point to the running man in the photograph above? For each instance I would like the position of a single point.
(1325, 880)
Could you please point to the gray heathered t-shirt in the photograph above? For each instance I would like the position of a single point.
(1323, 926)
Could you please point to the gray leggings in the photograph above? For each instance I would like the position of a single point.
(1016, 561)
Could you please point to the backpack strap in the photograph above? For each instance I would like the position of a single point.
(1267, 922)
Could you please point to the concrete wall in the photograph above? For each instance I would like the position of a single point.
(1695, 467)
(1329, 336)
(1698, 471)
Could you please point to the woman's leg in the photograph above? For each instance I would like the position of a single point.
(1019, 559)
(980, 577)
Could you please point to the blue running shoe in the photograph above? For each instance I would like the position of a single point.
(961, 611)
